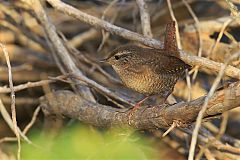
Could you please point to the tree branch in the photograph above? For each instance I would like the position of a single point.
(145, 18)
(68, 104)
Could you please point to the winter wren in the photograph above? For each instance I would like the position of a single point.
(147, 70)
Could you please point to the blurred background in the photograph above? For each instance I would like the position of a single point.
(207, 28)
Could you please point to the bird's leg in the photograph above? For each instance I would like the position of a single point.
(137, 106)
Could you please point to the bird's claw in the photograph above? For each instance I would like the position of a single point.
(130, 114)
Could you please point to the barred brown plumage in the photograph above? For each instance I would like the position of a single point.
(147, 70)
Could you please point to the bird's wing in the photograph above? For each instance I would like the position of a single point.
(167, 65)
(139, 68)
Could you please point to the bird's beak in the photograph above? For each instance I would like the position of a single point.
(103, 60)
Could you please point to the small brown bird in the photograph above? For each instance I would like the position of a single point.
(150, 71)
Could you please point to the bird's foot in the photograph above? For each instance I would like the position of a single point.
(130, 114)
(136, 107)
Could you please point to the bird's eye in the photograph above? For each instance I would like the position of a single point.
(117, 57)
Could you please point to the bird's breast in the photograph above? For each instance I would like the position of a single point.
(147, 82)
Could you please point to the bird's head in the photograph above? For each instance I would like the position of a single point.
(122, 56)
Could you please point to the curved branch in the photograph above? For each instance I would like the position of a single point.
(68, 104)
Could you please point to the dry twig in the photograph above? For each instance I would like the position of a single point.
(145, 18)
(195, 18)
(13, 107)
(174, 19)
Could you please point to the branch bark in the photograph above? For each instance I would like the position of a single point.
(68, 104)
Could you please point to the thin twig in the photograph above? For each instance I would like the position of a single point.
(233, 8)
(79, 39)
(105, 35)
(6, 116)
(220, 133)
(208, 154)
(8, 139)
(29, 85)
(8, 120)
(174, 124)
(145, 18)
(173, 18)
(102, 89)
(223, 125)
(195, 18)
(224, 26)
(176, 5)
(189, 86)
(33, 84)
(26, 129)
(13, 107)
(34, 117)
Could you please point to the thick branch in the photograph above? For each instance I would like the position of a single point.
(192, 60)
(69, 104)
